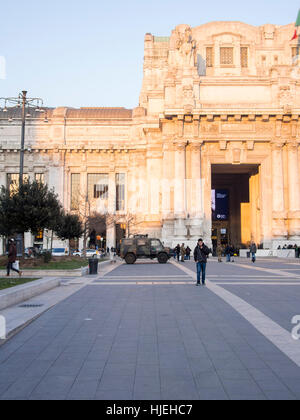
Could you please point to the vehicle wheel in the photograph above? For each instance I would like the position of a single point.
(130, 259)
(162, 258)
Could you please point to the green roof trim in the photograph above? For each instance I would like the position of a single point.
(161, 39)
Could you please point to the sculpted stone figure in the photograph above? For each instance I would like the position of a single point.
(186, 46)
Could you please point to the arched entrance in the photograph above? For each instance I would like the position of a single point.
(235, 204)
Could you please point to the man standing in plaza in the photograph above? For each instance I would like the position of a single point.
(201, 253)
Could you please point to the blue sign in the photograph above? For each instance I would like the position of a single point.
(220, 205)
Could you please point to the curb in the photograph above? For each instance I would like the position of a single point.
(18, 294)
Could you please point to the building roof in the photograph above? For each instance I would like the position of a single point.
(16, 113)
(117, 112)
(78, 113)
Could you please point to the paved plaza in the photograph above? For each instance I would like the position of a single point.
(146, 332)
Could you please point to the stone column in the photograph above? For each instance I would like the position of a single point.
(179, 187)
(196, 190)
(111, 227)
(3, 176)
(179, 190)
(294, 188)
(279, 213)
(195, 185)
(166, 180)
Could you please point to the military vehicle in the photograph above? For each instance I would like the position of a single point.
(143, 247)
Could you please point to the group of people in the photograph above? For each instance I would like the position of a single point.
(295, 247)
(182, 253)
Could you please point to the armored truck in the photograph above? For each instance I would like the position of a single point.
(143, 247)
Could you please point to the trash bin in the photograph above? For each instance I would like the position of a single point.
(93, 266)
(248, 254)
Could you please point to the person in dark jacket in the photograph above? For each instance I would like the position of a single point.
(188, 253)
(177, 249)
(227, 253)
(201, 253)
(12, 256)
(253, 250)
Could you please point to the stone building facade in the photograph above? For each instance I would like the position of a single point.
(219, 110)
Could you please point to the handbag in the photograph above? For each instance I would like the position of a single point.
(16, 265)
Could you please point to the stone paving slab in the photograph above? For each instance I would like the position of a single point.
(240, 271)
(146, 268)
(16, 317)
(279, 302)
(144, 342)
(147, 341)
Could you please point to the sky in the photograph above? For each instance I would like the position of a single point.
(90, 52)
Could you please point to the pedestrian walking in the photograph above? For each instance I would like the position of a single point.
(253, 250)
(200, 256)
(188, 253)
(182, 252)
(177, 249)
(227, 253)
(12, 256)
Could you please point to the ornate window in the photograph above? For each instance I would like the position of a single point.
(244, 57)
(75, 191)
(226, 56)
(209, 57)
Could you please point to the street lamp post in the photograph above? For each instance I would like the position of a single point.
(22, 101)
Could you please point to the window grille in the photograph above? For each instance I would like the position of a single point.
(209, 57)
(39, 178)
(226, 56)
(13, 182)
(120, 192)
(244, 57)
(98, 186)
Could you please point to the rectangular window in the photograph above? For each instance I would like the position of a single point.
(120, 192)
(209, 57)
(39, 178)
(98, 186)
(75, 191)
(13, 182)
(244, 57)
(226, 56)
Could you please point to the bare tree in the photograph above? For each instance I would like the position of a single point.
(130, 221)
(93, 215)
